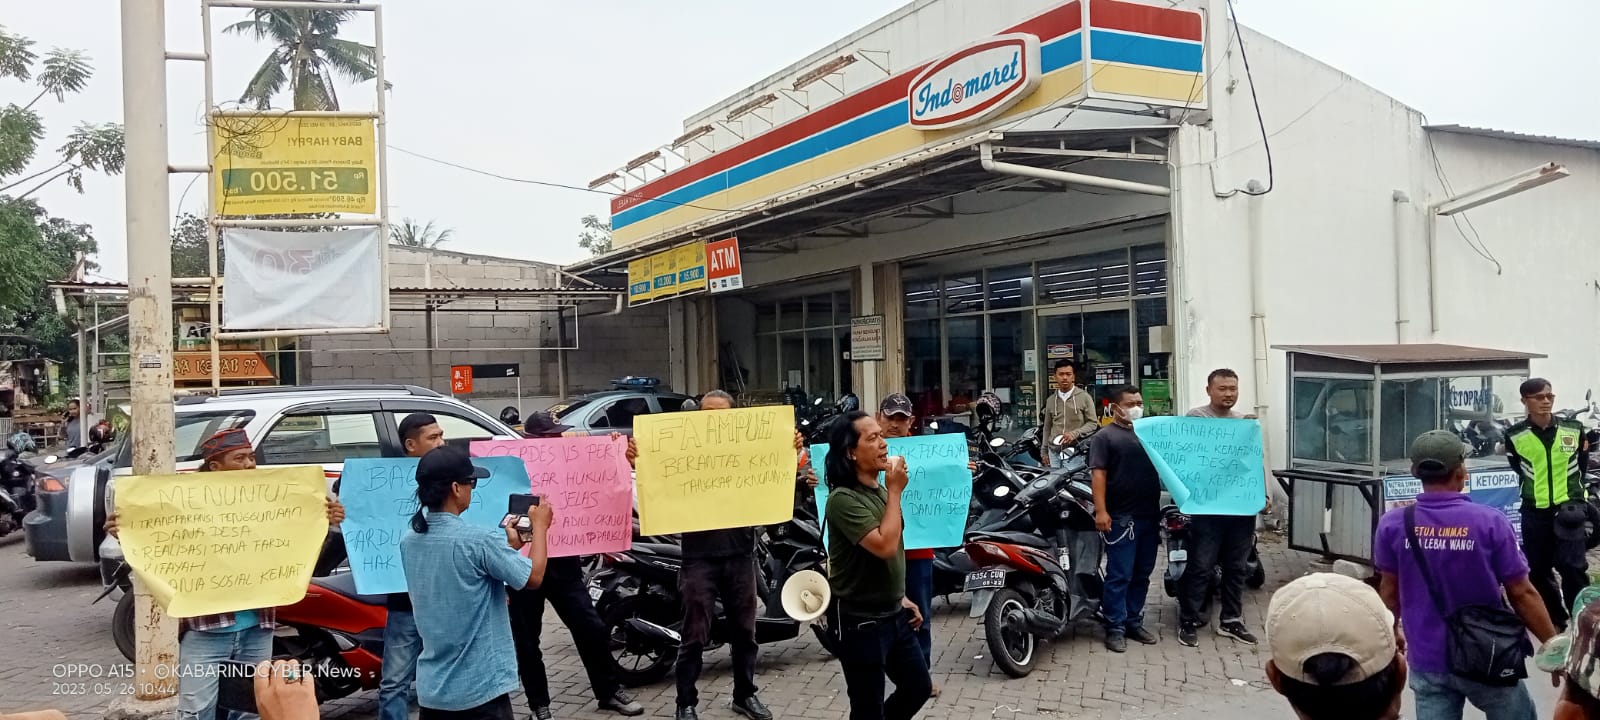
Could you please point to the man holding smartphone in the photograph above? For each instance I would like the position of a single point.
(566, 589)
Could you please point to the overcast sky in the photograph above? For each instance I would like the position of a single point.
(566, 91)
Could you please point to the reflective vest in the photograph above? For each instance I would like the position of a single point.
(1550, 474)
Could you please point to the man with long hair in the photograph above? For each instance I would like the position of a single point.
(867, 570)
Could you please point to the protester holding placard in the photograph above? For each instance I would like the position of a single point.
(1127, 510)
(567, 591)
(895, 417)
(402, 644)
(1223, 540)
(206, 641)
(866, 569)
(457, 574)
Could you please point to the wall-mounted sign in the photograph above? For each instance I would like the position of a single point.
(269, 165)
(1059, 352)
(669, 273)
(975, 82)
(641, 280)
(460, 379)
(496, 370)
(866, 338)
(723, 270)
(232, 366)
(691, 265)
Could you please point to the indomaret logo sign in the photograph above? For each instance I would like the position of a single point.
(975, 82)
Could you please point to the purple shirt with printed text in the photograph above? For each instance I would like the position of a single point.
(1471, 552)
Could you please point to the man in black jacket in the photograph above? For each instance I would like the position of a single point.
(567, 591)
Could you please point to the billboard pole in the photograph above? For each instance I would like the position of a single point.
(144, 103)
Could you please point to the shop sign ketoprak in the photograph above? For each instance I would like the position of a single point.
(975, 82)
(679, 271)
(272, 165)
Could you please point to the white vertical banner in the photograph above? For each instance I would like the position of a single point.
(278, 280)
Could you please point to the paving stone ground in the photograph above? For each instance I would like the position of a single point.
(49, 623)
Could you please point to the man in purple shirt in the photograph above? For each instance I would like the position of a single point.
(1473, 553)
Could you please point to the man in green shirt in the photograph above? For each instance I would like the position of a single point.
(867, 572)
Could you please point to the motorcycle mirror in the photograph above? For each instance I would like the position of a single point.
(48, 459)
(997, 442)
(1002, 491)
(817, 401)
(934, 425)
(1058, 440)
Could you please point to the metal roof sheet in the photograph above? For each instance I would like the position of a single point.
(1419, 353)
(1508, 135)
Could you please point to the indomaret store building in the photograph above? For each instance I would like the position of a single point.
(958, 195)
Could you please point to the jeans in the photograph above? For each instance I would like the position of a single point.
(919, 589)
(1215, 540)
(1440, 695)
(873, 650)
(1053, 459)
(702, 582)
(200, 649)
(401, 647)
(496, 709)
(1545, 560)
(1130, 559)
(565, 589)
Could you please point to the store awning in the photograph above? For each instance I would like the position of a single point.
(405, 298)
(910, 187)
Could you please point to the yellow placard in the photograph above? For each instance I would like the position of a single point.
(691, 266)
(715, 469)
(216, 542)
(641, 280)
(272, 165)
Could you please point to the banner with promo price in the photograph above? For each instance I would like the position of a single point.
(278, 280)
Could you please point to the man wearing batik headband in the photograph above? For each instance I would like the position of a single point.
(208, 640)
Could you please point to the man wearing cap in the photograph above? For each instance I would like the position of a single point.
(419, 433)
(895, 417)
(458, 575)
(1068, 412)
(1335, 654)
(1470, 552)
(567, 591)
(208, 640)
(1550, 457)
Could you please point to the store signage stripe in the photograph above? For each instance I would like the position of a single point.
(1059, 55)
(1143, 50)
(1144, 82)
(1052, 25)
(1145, 19)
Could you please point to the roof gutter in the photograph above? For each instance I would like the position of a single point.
(986, 158)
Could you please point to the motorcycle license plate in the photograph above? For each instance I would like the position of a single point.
(984, 580)
(594, 592)
(1177, 555)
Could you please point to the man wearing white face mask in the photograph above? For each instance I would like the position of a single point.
(1127, 511)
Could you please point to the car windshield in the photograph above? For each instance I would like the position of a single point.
(561, 410)
(195, 428)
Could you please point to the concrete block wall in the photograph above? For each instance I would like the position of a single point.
(633, 343)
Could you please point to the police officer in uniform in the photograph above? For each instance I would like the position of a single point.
(1550, 456)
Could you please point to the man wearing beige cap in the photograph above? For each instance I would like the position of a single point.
(1334, 651)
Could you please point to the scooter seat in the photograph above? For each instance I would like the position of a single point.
(345, 584)
(1013, 537)
(662, 549)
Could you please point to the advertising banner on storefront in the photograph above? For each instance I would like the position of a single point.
(1498, 489)
(269, 165)
(641, 280)
(280, 280)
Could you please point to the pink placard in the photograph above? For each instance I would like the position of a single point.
(586, 480)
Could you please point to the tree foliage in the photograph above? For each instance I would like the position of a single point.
(596, 235)
(90, 146)
(410, 233)
(307, 55)
(36, 249)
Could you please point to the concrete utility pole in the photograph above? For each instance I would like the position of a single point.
(144, 108)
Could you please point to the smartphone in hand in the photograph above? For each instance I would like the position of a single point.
(517, 511)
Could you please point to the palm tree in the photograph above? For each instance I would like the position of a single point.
(307, 56)
(411, 234)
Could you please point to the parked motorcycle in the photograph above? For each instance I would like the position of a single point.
(18, 485)
(1176, 528)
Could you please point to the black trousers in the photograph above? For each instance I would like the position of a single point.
(1217, 540)
(1546, 559)
(702, 582)
(564, 589)
(875, 650)
(496, 709)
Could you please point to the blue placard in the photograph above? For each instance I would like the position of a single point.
(1210, 466)
(938, 491)
(380, 496)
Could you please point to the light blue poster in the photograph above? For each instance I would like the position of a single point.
(938, 488)
(1210, 466)
(380, 496)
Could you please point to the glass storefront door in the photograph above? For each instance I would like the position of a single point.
(1097, 338)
